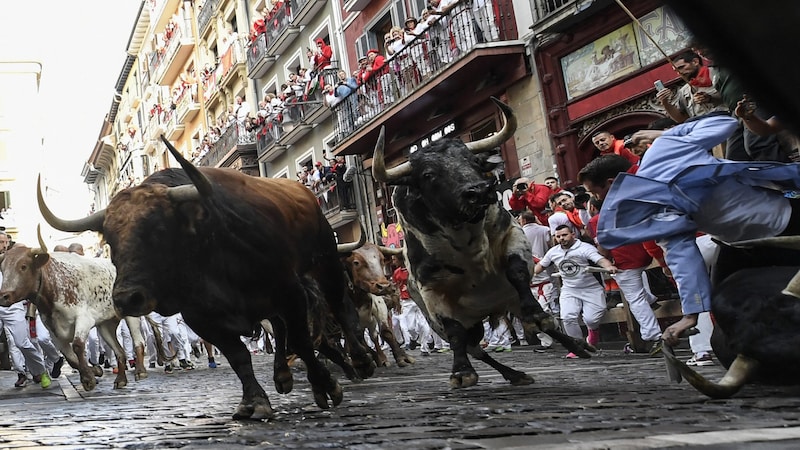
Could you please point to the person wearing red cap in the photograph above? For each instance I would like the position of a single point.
(322, 55)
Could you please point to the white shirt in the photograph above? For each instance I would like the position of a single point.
(571, 263)
(560, 218)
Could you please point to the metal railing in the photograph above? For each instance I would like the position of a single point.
(232, 136)
(334, 197)
(205, 14)
(446, 41)
(546, 8)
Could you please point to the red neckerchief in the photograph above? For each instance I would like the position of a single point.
(703, 78)
(574, 217)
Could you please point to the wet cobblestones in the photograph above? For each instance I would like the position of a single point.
(574, 403)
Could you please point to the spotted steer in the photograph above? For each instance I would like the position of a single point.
(72, 294)
(467, 258)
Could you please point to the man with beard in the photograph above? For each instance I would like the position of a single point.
(695, 98)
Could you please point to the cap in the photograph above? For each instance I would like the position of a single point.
(411, 19)
(372, 50)
(319, 163)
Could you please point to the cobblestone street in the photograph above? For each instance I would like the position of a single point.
(611, 401)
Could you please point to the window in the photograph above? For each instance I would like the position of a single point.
(5, 200)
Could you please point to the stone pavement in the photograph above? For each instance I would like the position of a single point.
(611, 401)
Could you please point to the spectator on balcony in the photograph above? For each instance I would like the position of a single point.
(241, 110)
(461, 24)
(378, 80)
(228, 38)
(361, 72)
(326, 174)
(259, 27)
(322, 55)
(483, 14)
(330, 98)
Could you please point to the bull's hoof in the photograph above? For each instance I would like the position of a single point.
(335, 394)
(140, 376)
(88, 383)
(522, 380)
(120, 382)
(364, 367)
(98, 371)
(463, 379)
(405, 360)
(257, 409)
(284, 382)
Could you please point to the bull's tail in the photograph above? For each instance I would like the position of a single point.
(160, 353)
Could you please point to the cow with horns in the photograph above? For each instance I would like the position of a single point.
(229, 250)
(72, 294)
(466, 256)
(369, 284)
(757, 315)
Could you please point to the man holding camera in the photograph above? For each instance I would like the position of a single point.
(532, 196)
(607, 144)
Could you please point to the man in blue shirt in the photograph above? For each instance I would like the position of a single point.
(681, 189)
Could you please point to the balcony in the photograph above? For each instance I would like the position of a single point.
(230, 142)
(155, 127)
(552, 15)
(267, 146)
(161, 11)
(431, 81)
(258, 60)
(178, 51)
(305, 11)
(205, 15)
(230, 62)
(355, 5)
(338, 203)
(187, 104)
(280, 37)
(173, 126)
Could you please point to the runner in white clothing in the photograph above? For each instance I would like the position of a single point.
(581, 293)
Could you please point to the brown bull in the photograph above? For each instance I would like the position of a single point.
(229, 250)
(369, 284)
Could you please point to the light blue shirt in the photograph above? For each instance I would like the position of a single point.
(681, 188)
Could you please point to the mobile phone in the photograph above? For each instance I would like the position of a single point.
(659, 85)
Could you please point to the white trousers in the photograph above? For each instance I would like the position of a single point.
(587, 302)
(639, 298)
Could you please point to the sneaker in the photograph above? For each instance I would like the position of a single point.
(168, 368)
(703, 360)
(44, 380)
(152, 365)
(413, 345)
(132, 363)
(212, 365)
(443, 350)
(593, 338)
(22, 380)
(186, 365)
(56, 372)
(501, 349)
(541, 348)
(571, 355)
(425, 352)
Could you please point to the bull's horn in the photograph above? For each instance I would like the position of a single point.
(736, 376)
(791, 242)
(185, 193)
(199, 180)
(351, 246)
(509, 127)
(42, 246)
(793, 288)
(379, 170)
(391, 251)
(92, 222)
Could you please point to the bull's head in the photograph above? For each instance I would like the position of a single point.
(366, 268)
(21, 267)
(451, 177)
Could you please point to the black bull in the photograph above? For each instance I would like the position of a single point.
(467, 258)
(228, 250)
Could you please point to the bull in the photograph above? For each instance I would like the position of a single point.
(757, 317)
(72, 294)
(369, 284)
(228, 250)
(467, 258)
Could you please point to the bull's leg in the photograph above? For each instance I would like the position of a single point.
(474, 348)
(400, 355)
(87, 373)
(463, 374)
(344, 311)
(255, 403)
(323, 385)
(377, 352)
(281, 375)
(533, 317)
(135, 327)
(108, 330)
(338, 356)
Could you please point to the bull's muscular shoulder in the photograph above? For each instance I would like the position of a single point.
(289, 196)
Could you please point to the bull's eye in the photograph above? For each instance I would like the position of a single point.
(356, 263)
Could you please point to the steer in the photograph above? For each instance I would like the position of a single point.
(72, 294)
(228, 250)
(369, 285)
(466, 256)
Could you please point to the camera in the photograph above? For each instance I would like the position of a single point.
(521, 186)
(628, 141)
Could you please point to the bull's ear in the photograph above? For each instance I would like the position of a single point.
(40, 259)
